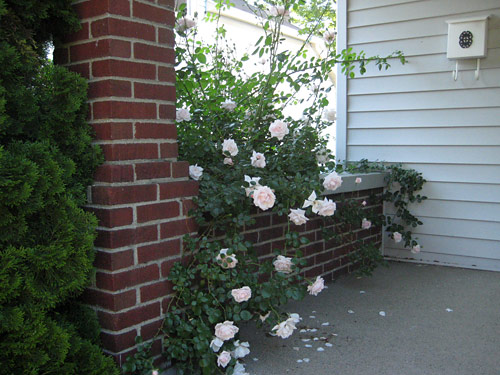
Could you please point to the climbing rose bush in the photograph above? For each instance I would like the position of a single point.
(248, 157)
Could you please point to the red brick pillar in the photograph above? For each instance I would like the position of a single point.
(142, 193)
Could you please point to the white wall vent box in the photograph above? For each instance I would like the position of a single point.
(467, 38)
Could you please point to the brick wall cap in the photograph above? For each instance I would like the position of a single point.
(370, 181)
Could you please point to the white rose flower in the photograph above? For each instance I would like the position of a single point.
(253, 183)
(239, 369)
(329, 36)
(285, 329)
(366, 224)
(358, 180)
(331, 115)
(228, 105)
(298, 216)
(226, 331)
(242, 294)
(415, 249)
(241, 349)
(258, 160)
(283, 264)
(195, 172)
(278, 129)
(397, 237)
(263, 197)
(312, 201)
(315, 288)
(279, 11)
(327, 207)
(264, 317)
(332, 181)
(363, 203)
(294, 317)
(223, 359)
(322, 156)
(229, 146)
(229, 261)
(182, 114)
(228, 161)
(216, 344)
(185, 23)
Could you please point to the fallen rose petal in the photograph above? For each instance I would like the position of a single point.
(449, 310)
(328, 344)
(325, 324)
(306, 360)
(382, 313)
(350, 311)
(299, 361)
(308, 345)
(320, 349)
(312, 317)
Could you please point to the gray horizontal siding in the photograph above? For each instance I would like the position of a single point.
(418, 115)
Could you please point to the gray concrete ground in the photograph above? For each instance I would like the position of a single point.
(417, 335)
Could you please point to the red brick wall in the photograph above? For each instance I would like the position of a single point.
(141, 193)
(328, 258)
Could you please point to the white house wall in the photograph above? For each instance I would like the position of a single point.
(417, 114)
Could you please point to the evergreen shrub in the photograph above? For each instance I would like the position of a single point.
(46, 162)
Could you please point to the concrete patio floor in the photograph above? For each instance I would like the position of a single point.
(417, 335)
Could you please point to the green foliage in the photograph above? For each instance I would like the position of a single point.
(401, 191)
(46, 162)
(141, 363)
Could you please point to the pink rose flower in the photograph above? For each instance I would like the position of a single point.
(228, 105)
(298, 216)
(315, 288)
(242, 294)
(226, 331)
(223, 359)
(229, 146)
(358, 180)
(366, 224)
(182, 114)
(363, 203)
(229, 261)
(415, 249)
(228, 161)
(332, 181)
(283, 264)
(263, 197)
(397, 237)
(278, 129)
(258, 160)
(327, 207)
